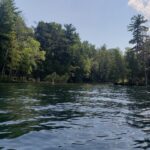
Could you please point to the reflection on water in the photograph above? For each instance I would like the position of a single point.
(71, 117)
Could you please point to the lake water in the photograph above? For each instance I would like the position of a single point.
(74, 117)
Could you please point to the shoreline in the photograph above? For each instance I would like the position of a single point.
(78, 83)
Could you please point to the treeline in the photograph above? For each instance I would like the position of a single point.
(55, 53)
(79, 61)
(20, 52)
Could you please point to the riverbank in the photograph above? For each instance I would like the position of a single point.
(7, 79)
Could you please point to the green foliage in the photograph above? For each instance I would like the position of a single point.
(108, 65)
(8, 15)
(117, 66)
(138, 30)
(137, 57)
(56, 41)
(54, 53)
(30, 56)
(19, 52)
(55, 78)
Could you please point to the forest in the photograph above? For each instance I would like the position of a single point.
(52, 52)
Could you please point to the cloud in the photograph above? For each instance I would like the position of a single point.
(142, 6)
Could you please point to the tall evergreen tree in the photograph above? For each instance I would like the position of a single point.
(8, 15)
(139, 31)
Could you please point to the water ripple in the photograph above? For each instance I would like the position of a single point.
(70, 117)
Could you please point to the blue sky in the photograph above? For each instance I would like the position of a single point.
(98, 21)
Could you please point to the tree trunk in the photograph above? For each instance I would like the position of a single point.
(4, 65)
(146, 79)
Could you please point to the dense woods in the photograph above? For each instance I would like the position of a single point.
(55, 53)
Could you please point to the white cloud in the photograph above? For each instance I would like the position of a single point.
(142, 6)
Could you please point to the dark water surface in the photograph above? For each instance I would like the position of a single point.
(74, 117)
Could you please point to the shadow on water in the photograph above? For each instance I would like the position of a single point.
(139, 116)
(26, 108)
(74, 117)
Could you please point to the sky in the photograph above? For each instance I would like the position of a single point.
(97, 21)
